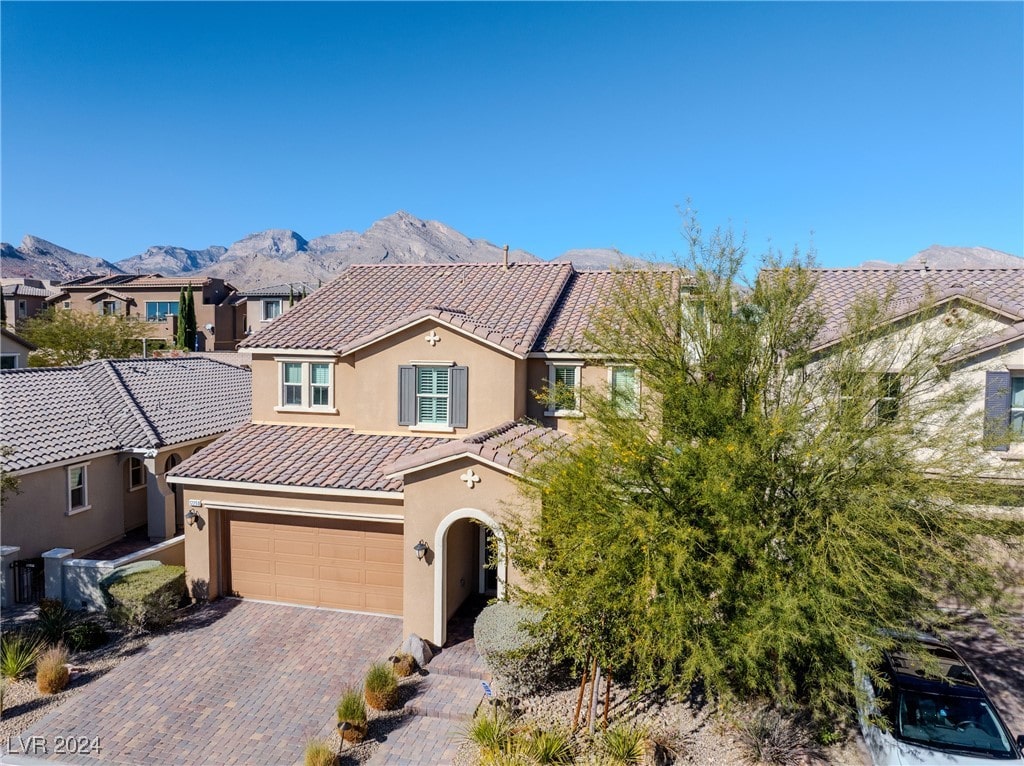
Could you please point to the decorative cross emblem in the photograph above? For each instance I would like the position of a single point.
(470, 478)
(432, 339)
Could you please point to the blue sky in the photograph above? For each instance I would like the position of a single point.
(881, 127)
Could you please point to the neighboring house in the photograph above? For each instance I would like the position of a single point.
(90, 447)
(153, 299)
(14, 350)
(23, 299)
(266, 304)
(392, 411)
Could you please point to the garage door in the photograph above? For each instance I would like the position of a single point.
(317, 562)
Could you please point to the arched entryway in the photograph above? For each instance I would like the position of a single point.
(460, 555)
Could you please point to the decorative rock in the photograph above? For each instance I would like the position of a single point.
(419, 649)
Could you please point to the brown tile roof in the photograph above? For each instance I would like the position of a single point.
(131, 281)
(508, 307)
(304, 456)
(511, 445)
(53, 414)
(836, 290)
(28, 290)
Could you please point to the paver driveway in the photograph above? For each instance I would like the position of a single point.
(249, 684)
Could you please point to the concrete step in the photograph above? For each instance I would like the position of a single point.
(452, 698)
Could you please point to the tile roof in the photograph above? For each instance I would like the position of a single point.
(304, 456)
(511, 445)
(836, 290)
(28, 290)
(507, 306)
(278, 291)
(53, 414)
(131, 281)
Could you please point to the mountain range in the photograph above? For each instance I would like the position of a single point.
(282, 256)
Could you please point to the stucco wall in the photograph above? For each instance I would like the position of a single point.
(35, 518)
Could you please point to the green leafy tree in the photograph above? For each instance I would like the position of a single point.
(763, 520)
(68, 338)
(180, 336)
(190, 320)
(8, 483)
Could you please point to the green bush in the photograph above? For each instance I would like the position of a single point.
(381, 687)
(552, 747)
(86, 635)
(54, 620)
(489, 732)
(145, 600)
(521, 662)
(18, 653)
(624, 745)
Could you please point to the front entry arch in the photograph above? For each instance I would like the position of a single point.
(441, 556)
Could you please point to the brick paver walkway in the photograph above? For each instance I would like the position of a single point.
(248, 683)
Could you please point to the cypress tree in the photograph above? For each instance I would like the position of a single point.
(291, 296)
(190, 320)
(179, 340)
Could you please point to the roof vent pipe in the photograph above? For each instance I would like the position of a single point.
(505, 261)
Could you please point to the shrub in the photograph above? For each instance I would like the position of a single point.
(405, 664)
(624, 744)
(770, 737)
(520, 661)
(145, 600)
(319, 753)
(352, 710)
(86, 635)
(52, 670)
(552, 747)
(381, 687)
(54, 620)
(491, 733)
(18, 653)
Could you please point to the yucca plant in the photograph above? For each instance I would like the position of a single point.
(319, 753)
(52, 673)
(550, 747)
(491, 733)
(53, 620)
(18, 653)
(624, 745)
(352, 710)
(768, 736)
(381, 687)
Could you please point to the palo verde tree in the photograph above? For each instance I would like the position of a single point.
(772, 511)
(67, 338)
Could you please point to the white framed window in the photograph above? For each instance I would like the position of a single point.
(158, 311)
(67, 305)
(109, 307)
(433, 396)
(78, 488)
(271, 309)
(22, 309)
(887, 406)
(624, 390)
(8, 361)
(1017, 406)
(136, 473)
(432, 392)
(564, 385)
(307, 385)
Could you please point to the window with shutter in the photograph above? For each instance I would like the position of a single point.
(997, 410)
(625, 392)
(432, 395)
(563, 392)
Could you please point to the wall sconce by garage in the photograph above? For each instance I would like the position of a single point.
(191, 518)
(421, 550)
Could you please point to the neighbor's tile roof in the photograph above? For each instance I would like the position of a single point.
(130, 281)
(512, 445)
(28, 290)
(54, 414)
(304, 456)
(836, 291)
(278, 291)
(506, 306)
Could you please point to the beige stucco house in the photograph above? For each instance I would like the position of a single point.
(392, 411)
(14, 350)
(90, 447)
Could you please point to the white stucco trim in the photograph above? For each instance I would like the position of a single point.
(186, 481)
(452, 458)
(439, 564)
(290, 351)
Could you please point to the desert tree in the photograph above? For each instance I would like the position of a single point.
(765, 512)
(65, 338)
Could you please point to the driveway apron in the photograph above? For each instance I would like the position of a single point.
(241, 682)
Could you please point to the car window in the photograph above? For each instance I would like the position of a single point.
(952, 723)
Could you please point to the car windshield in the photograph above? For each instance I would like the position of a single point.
(952, 723)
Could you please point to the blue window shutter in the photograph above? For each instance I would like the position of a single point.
(406, 395)
(997, 410)
(460, 397)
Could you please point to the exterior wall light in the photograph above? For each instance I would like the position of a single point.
(191, 518)
(421, 550)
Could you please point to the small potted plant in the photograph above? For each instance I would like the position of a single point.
(352, 711)
(381, 687)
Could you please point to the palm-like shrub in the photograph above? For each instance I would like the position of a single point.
(550, 747)
(52, 673)
(18, 653)
(490, 733)
(352, 710)
(624, 745)
(381, 687)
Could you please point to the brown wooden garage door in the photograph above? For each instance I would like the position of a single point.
(317, 562)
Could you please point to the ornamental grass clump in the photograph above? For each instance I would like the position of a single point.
(624, 745)
(491, 733)
(381, 687)
(550, 747)
(319, 753)
(52, 673)
(770, 737)
(352, 710)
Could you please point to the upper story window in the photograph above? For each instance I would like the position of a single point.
(307, 385)
(158, 311)
(78, 488)
(887, 407)
(271, 308)
(109, 307)
(624, 383)
(564, 383)
(22, 309)
(1017, 406)
(136, 473)
(67, 304)
(433, 396)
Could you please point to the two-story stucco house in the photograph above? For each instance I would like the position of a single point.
(392, 410)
